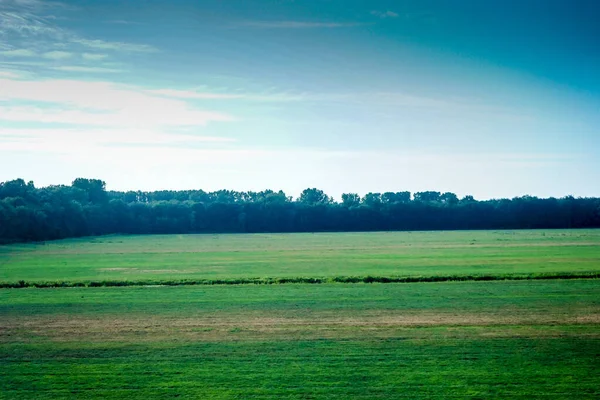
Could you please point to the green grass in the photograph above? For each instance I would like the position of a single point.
(509, 339)
(532, 338)
(153, 259)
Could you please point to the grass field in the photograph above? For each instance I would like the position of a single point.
(534, 339)
(503, 339)
(179, 257)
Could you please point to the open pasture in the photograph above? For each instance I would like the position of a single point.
(507, 339)
(522, 339)
(179, 257)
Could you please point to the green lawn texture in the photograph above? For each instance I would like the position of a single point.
(181, 257)
(509, 339)
(499, 339)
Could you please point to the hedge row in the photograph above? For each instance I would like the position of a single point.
(302, 280)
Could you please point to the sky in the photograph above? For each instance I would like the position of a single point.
(490, 99)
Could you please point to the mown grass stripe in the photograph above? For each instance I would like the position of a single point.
(296, 280)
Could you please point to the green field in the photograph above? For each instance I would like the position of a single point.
(181, 257)
(534, 339)
(503, 339)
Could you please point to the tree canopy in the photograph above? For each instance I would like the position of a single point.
(85, 208)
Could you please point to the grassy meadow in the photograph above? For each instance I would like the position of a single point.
(187, 257)
(518, 339)
(471, 339)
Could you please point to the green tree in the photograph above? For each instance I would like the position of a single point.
(449, 198)
(314, 196)
(372, 199)
(95, 189)
(397, 197)
(429, 196)
(350, 200)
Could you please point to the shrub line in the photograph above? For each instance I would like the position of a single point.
(302, 280)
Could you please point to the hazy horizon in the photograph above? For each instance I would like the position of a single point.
(494, 100)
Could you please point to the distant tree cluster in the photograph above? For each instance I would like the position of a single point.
(85, 208)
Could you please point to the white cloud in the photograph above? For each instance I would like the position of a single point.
(76, 140)
(29, 19)
(79, 68)
(31, 4)
(94, 56)
(193, 94)
(136, 116)
(26, 23)
(121, 22)
(297, 24)
(57, 55)
(97, 104)
(18, 53)
(115, 46)
(190, 94)
(9, 74)
(384, 14)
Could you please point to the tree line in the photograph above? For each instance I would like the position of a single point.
(28, 213)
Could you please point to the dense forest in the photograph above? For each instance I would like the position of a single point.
(85, 208)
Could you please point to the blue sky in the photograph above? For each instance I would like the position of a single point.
(493, 99)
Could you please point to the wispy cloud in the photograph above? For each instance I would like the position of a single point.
(32, 4)
(297, 24)
(57, 55)
(97, 104)
(32, 39)
(81, 68)
(190, 94)
(116, 46)
(30, 20)
(121, 22)
(18, 53)
(94, 56)
(385, 14)
(197, 95)
(23, 63)
(25, 23)
(399, 99)
(76, 140)
(8, 74)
